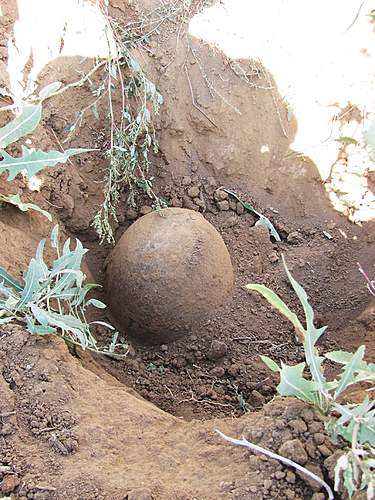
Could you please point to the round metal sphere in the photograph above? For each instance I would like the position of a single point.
(169, 271)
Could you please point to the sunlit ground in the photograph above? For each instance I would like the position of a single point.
(320, 53)
(322, 57)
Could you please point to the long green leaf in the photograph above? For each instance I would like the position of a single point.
(279, 304)
(24, 124)
(32, 283)
(34, 161)
(7, 278)
(15, 200)
(312, 334)
(347, 377)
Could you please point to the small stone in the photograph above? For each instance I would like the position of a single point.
(315, 469)
(257, 399)
(233, 205)
(318, 496)
(298, 426)
(193, 192)
(199, 202)
(294, 238)
(294, 450)
(186, 181)
(279, 474)
(223, 205)
(140, 494)
(240, 208)
(187, 203)
(9, 484)
(145, 210)
(290, 477)
(176, 202)
(267, 484)
(273, 257)
(217, 371)
(164, 348)
(131, 214)
(307, 415)
(220, 195)
(324, 450)
(217, 350)
(6, 429)
(315, 427)
(319, 438)
(233, 370)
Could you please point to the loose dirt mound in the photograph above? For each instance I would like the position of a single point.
(67, 432)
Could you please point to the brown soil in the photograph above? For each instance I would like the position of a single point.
(83, 426)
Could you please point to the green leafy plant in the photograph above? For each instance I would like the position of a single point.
(133, 139)
(355, 423)
(31, 161)
(54, 301)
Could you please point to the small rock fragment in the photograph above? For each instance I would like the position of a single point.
(315, 469)
(176, 202)
(319, 438)
(257, 399)
(290, 477)
(217, 371)
(217, 350)
(294, 450)
(186, 181)
(294, 238)
(223, 205)
(9, 484)
(131, 214)
(273, 257)
(193, 192)
(298, 426)
(240, 208)
(220, 195)
(145, 210)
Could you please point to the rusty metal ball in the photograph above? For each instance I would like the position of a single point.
(169, 271)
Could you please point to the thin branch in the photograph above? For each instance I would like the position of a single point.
(258, 449)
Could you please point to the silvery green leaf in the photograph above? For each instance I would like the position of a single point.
(22, 125)
(38, 329)
(347, 376)
(49, 89)
(9, 280)
(96, 303)
(33, 161)
(270, 363)
(279, 304)
(15, 200)
(84, 291)
(312, 334)
(55, 236)
(32, 279)
(341, 357)
(39, 314)
(293, 383)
